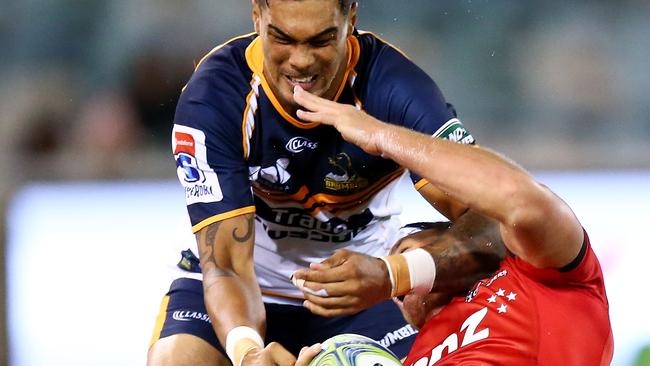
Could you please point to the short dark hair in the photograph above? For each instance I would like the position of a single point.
(344, 4)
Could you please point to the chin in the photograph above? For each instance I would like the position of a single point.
(419, 309)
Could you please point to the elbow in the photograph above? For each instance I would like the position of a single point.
(529, 205)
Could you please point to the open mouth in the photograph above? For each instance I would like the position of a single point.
(305, 82)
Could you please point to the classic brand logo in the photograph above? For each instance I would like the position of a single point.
(186, 316)
(299, 143)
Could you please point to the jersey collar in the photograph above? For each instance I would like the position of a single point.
(255, 60)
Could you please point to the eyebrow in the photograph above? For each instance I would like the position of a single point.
(285, 35)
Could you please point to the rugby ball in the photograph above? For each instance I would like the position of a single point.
(353, 350)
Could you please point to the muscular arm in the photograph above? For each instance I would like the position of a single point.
(469, 250)
(535, 224)
(232, 294)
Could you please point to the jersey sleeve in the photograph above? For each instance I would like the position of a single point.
(413, 100)
(584, 271)
(207, 145)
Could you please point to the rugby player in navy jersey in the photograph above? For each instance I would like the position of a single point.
(269, 195)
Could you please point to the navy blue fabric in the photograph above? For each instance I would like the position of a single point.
(291, 326)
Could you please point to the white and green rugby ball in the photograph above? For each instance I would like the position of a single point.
(353, 350)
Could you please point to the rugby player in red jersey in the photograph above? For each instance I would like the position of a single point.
(545, 305)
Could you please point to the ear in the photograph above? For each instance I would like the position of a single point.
(256, 15)
(352, 16)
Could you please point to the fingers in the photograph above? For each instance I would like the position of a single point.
(314, 289)
(308, 100)
(311, 116)
(307, 354)
(333, 302)
(329, 271)
(330, 312)
(279, 355)
(338, 258)
(315, 109)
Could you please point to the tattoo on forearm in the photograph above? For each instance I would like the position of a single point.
(207, 245)
(208, 241)
(250, 229)
(207, 253)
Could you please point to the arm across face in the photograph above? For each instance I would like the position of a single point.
(470, 250)
(535, 224)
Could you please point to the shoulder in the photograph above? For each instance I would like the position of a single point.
(379, 59)
(383, 67)
(224, 70)
(584, 271)
(393, 88)
(216, 92)
(228, 54)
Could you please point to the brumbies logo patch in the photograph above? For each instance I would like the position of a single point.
(454, 131)
(200, 181)
(344, 177)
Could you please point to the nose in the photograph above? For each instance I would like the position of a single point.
(301, 58)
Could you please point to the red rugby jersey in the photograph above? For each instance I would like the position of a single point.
(523, 316)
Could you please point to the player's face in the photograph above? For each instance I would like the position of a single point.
(304, 43)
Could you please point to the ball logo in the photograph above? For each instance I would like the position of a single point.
(353, 350)
(187, 164)
(185, 157)
(299, 143)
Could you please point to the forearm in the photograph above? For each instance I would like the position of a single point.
(482, 180)
(232, 302)
(232, 294)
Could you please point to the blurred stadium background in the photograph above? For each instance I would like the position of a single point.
(88, 90)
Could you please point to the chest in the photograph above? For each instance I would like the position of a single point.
(285, 157)
(498, 312)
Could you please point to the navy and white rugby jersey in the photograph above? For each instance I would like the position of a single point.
(238, 151)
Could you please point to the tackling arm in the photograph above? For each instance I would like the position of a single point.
(469, 250)
(535, 224)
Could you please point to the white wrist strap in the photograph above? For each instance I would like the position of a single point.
(422, 270)
(241, 340)
(413, 271)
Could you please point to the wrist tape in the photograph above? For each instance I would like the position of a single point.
(413, 271)
(241, 340)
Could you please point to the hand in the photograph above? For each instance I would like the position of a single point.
(354, 125)
(352, 281)
(274, 354)
(307, 354)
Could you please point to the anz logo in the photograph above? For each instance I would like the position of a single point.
(298, 144)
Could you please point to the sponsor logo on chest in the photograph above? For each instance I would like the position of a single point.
(298, 144)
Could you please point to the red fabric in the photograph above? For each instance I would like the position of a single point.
(523, 316)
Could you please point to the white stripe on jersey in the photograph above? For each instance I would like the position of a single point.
(250, 115)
